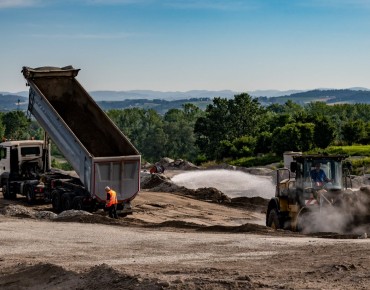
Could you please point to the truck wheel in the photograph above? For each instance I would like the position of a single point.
(66, 201)
(273, 219)
(5, 189)
(56, 201)
(29, 195)
(7, 192)
(77, 203)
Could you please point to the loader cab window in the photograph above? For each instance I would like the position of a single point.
(331, 171)
(2, 153)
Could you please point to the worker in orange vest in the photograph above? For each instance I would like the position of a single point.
(111, 203)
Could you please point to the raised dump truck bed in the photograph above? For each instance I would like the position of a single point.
(98, 151)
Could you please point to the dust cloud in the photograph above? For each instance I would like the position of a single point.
(232, 183)
(346, 213)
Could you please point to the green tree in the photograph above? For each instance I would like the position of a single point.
(227, 120)
(306, 136)
(179, 128)
(293, 137)
(16, 125)
(264, 141)
(245, 115)
(324, 132)
(353, 131)
(214, 127)
(240, 147)
(2, 127)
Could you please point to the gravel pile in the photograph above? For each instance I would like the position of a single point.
(73, 213)
(17, 211)
(22, 211)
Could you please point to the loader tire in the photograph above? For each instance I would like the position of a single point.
(56, 201)
(273, 219)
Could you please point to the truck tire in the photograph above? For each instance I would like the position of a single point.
(7, 192)
(77, 203)
(5, 189)
(273, 219)
(66, 201)
(30, 196)
(56, 201)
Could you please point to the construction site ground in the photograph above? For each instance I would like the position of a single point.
(171, 241)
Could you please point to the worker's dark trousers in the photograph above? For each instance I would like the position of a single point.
(113, 211)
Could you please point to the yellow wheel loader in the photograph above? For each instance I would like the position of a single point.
(315, 195)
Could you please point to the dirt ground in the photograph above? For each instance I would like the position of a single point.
(172, 241)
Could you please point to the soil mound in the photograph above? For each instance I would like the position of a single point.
(50, 276)
(246, 228)
(86, 218)
(255, 203)
(105, 277)
(40, 276)
(176, 224)
(208, 193)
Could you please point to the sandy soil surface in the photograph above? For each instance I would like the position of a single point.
(171, 241)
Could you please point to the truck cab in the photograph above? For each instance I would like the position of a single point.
(19, 161)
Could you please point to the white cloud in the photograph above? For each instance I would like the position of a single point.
(18, 3)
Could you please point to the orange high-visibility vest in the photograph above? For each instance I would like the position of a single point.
(113, 198)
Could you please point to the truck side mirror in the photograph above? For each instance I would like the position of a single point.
(293, 166)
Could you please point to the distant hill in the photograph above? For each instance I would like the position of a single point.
(13, 102)
(22, 94)
(347, 96)
(272, 93)
(151, 95)
(161, 106)
(163, 101)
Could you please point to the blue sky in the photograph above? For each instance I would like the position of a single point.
(180, 45)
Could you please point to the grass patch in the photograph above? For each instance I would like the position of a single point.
(61, 165)
(360, 165)
(256, 161)
(354, 150)
(358, 155)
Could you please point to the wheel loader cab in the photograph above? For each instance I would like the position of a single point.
(318, 173)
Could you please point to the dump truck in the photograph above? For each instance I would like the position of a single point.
(303, 202)
(100, 154)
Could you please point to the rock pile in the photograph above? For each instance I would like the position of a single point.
(180, 164)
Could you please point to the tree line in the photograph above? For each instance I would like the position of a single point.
(227, 129)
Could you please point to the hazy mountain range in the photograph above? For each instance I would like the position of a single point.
(176, 95)
(163, 101)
